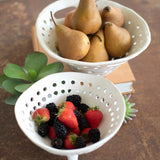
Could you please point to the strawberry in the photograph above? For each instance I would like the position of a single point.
(68, 118)
(51, 133)
(94, 117)
(67, 104)
(85, 133)
(69, 141)
(41, 115)
(75, 130)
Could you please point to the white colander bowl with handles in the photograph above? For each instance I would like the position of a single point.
(94, 91)
(134, 23)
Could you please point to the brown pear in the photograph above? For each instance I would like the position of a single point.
(67, 20)
(72, 44)
(117, 40)
(112, 14)
(86, 17)
(97, 51)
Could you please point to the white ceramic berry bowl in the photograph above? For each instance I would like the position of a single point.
(94, 91)
(134, 23)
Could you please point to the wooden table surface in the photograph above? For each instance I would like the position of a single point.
(139, 139)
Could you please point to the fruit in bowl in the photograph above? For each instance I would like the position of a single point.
(93, 90)
(132, 22)
(87, 26)
(69, 125)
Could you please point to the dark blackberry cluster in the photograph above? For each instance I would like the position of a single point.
(60, 129)
(53, 113)
(83, 108)
(94, 135)
(80, 142)
(75, 99)
(43, 129)
(57, 143)
(81, 120)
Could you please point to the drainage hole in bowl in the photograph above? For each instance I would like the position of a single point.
(49, 95)
(115, 103)
(112, 113)
(107, 104)
(26, 105)
(97, 97)
(63, 82)
(38, 93)
(54, 84)
(109, 110)
(34, 107)
(110, 95)
(63, 91)
(90, 84)
(31, 99)
(72, 82)
(55, 92)
(91, 93)
(84, 92)
(105, 90)
(81, 83)
(117, 109)
(102, 100)
(44, 99)
(45, 88)
(98, 87)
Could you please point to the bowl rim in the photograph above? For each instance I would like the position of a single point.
(65, 152)
(92, 64)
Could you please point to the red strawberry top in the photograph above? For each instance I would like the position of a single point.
(41, 115)
(67, 104)
(68, 118)
(69, 141)
(94, 117)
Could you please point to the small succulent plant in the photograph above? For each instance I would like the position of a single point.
(17, 79)
(130, 112)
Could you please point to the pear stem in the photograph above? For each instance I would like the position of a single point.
(53, 18)
(98, 38)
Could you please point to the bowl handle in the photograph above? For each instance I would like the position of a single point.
(73, 157)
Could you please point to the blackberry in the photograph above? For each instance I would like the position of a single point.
(75, 99)
(83, 108)
(53, 112)
(83, 123)
(57, 143)
(80, 142)
(43, 129)
(94, 135)
(60, 129)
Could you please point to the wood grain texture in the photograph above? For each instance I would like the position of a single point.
(138, 140)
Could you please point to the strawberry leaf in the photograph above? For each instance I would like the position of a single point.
(9, 85)
(14, 71)
(22, 87)
(11, 100)
(50, 69)
(35, 61)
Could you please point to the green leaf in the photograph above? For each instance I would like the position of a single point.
(32, 75)
(9, 85)
(2, 79)
(22, 87)
(50, 69)
(35, 61)
(11, 100)
(14, 71)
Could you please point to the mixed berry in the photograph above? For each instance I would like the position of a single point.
(69, 125)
